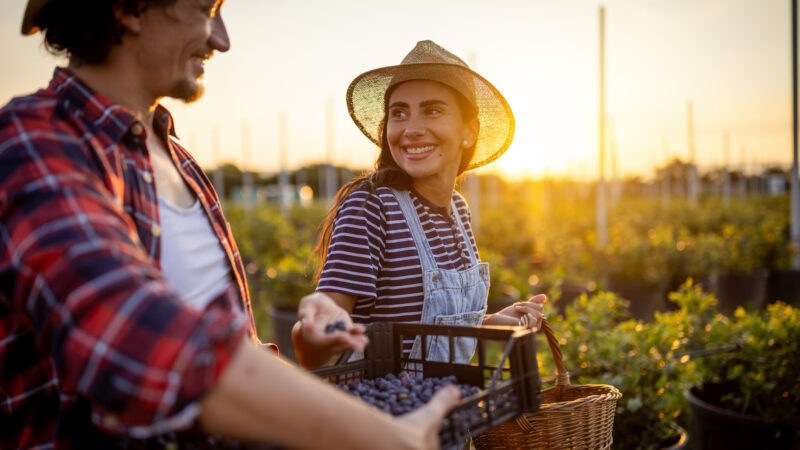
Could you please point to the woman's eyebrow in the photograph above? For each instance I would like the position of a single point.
(433, 102)
(399, 105)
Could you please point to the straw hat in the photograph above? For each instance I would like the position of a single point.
(428, 61)
(30, 20)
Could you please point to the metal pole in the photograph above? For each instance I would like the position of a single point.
(283, 148)
(330, 170)
(795, 195)
(473, 187)
(692, 175)
(666, 173)
(726, 176)
(219, 176)
(247, 175)
(602, 226)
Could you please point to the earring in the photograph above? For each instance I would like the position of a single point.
(465, 143)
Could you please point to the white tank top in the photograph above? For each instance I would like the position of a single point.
(192, 259)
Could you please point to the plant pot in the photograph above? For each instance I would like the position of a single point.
(783, 285)
(713, 427)
(645, 299)
(683, 439)
(736, 288)
(283, 318)
(569, 292)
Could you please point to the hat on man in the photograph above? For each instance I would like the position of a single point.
(366, 97)
(30, 21)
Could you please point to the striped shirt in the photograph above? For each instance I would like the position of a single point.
(373, 257)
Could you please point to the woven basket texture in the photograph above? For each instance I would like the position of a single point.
(570, 417)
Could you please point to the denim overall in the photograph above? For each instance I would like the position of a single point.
(452, 297)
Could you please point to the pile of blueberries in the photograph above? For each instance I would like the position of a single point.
(403, 393)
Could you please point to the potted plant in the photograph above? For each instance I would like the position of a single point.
(750, 397)
(642, 359)
(275, 250)
(639, 266)
(743, 280)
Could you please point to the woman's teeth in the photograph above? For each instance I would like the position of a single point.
(418, 150)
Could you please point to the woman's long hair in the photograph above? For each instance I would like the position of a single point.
(386, 173)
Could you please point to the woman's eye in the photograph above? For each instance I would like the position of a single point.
(397, 114)
(433, 111)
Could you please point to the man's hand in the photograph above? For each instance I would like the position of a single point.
(313, 345)
(428, 420)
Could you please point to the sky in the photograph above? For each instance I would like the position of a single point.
(289, 58)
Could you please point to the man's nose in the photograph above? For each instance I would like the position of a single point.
(219, 40)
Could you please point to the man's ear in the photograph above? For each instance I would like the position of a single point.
(132, 23)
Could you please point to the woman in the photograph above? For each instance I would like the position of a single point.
(397, 245)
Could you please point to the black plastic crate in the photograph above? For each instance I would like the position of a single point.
(510, 382)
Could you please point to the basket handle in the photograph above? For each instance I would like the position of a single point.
(562, 376)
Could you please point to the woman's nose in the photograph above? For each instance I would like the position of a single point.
(414, 128)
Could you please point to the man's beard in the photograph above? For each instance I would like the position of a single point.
(187, 90)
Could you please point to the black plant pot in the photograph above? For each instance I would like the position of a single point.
(283, 318)
(645, 299)
(569, 292)
(683, 439)
(736, 288)
(784, 285)
(713, 427)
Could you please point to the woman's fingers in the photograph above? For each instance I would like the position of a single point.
(528, 307)
(541, 298)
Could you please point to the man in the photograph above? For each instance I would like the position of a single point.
(104, 332)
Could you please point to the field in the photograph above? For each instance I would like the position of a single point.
(610, 304)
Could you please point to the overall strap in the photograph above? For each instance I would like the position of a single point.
(415, 227)
(472, 256)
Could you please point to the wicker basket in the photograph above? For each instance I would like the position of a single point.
(571, 416)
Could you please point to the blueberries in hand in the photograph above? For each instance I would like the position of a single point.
(333, 327)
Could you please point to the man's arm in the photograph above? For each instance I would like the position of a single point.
(98, 305)
(259, 398)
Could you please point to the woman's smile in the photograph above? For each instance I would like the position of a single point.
(418, 151)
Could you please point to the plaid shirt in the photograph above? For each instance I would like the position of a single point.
(91, 338)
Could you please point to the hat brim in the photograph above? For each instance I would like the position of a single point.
(30, 20)
(365, 103)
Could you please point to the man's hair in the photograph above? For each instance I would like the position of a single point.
(86, 30)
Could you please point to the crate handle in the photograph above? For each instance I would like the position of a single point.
(499, 370)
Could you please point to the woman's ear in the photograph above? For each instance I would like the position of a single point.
(471, 133)
(132, 23)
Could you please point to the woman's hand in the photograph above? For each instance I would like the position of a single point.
(313, 345)
(533, 310)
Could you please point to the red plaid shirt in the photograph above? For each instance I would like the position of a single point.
(91, 338)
